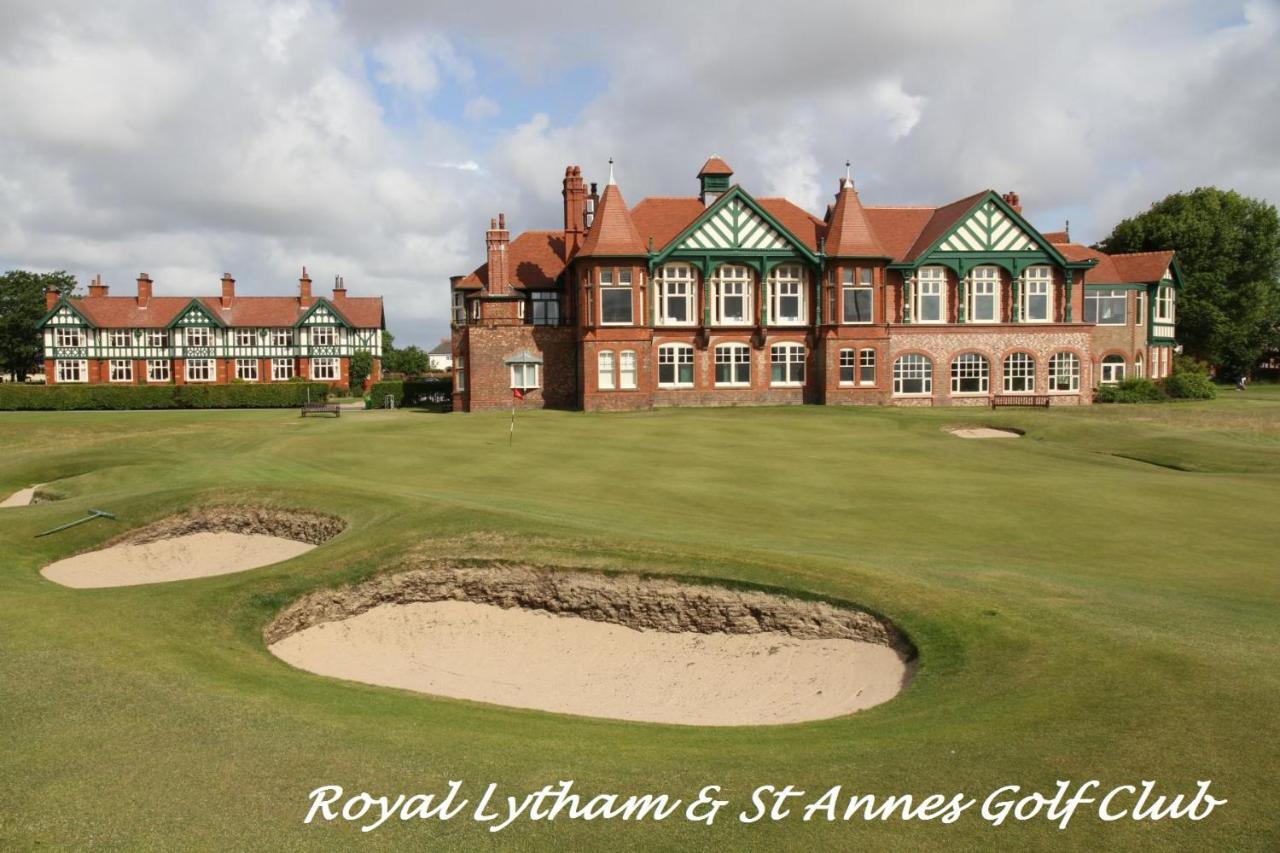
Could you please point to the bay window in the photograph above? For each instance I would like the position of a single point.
(675, 366)
(732, 296)
(674, 289)
(929, 295)
(459, 308)
(856, 294)
(615, 297)
(733, 365)
(787, 364)
(1105, 307)
(786, 296)
(984, 295)
(1164, 305)
(1037, 295)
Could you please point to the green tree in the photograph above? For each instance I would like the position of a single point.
(412, 360)
(21, 307)
(358, 371)
(1228, 247)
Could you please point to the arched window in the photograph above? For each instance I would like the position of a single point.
(731, 296)
(1138, 367)
(1037, 294)
(604, 373)
(675, 366)
(673, 291)
(1019, 373)
(787, 364)
(930, 295)
(627, 369)
(912, 374)
(1112, 369)
(970, 374)
(848, 366)
(1064, 372)
(733, 365)
(984, 295)
(786, 296)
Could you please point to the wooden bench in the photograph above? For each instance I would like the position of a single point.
(321, 409)
(1019, 400)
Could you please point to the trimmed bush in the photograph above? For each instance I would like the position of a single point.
(378, 392)
(435, 392)
(1132, 390)
(1189, 381)
(68, 398)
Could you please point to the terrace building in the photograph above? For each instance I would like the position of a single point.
(724, 298)
(148, 339)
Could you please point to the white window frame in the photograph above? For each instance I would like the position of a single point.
(120, 370)
(678, 357)
(848, 362)
(245, 366)
(866, 361)
(323, 336)
(972, 368)
(792, 362)
(1139, 366)
(322, 366)
(158, 338)
(606, 365)
(246, 338)
(788, 281)
(627, 370)
(194, 367)
(1165, 307)
(524, 375)
(476, 311)
(459, 308)
(203, 333)
(71, 371)
(159, 370)
(1108, 297)
(460, 373)
(119, 338)
(1140, 308)
(912, 367)
(984, 281)
(282, 337)
(854, 282)
(675, 284)
(1112, 370)
(1064, 369)
(1018, 368)
(1036, 281)
(730, 356)
(609, 284)
(66, 337)
(282, 369)
(732, 281)
(931, 283)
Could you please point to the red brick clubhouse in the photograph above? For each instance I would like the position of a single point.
(147, 339)
(725, 299)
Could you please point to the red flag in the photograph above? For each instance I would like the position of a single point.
(517, 393)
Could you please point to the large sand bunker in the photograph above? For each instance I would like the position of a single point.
(198, 544)
(22, 497)
(626, 647)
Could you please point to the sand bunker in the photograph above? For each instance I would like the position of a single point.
(22, 497)
(625, 648)
(985, 432)
(198, 544)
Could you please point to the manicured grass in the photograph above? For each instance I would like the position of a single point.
(1096, 600)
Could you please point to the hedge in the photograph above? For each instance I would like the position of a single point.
(425, 391)
(67, 398)
(1135, 389)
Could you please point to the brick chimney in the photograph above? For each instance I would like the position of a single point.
(144, 290)
(498, 241)
(575, 194)
(96, 287)
(339, 288)
(51, 297)
(1011, 198)
(228, 290)
(304, 289)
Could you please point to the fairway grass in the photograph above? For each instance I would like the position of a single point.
(1099, 599)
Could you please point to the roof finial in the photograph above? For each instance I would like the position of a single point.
(848, 174)
(612, 182)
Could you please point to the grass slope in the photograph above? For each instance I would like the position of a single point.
(1098, 599)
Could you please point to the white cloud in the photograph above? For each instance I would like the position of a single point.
(480, 107)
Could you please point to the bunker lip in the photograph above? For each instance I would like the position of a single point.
(198, 543)
(985, 432)
(621, 647)
(25, 497)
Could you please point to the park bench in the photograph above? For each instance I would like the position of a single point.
(1019, 400)
(321, 409)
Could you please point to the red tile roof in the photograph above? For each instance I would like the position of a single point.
(715, 166)
(536, 257)
(898, 227)
(849, 233)
(612, 230)
(1131, 268)
(1056, 237)
(125, 312)
(662, 218)
(943, 218)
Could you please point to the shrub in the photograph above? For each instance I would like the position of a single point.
(378, 392)
(358, 371)
(1189, 380)
(428, 391)
(1135, 389)
(67, 398)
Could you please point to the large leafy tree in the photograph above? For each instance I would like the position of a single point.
(21, 307)
(1228, 247)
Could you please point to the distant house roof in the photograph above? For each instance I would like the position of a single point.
(442, 348)
(245, 311)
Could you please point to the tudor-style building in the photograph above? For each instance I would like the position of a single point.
(146, 339)
(724, 298)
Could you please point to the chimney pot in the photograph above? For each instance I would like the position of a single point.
(96, 287)
(339, 287)
(304, 289)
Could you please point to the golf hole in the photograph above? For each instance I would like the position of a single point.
(985, 432)
(619, 647)
(201, 543)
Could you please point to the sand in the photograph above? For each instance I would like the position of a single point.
(194, 555)
(22, 497)
(985, 432)
(534, 659)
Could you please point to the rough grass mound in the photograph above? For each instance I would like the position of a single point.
(300, 526)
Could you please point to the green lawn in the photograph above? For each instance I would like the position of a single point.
(1097, 600)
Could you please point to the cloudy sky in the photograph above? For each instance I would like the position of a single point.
(375, 139)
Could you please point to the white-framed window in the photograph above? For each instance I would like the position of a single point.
(324, 336)
(733, 365)
(786, 296)
(72, 370)
(281, 369)
(68, 336)
(158, 370)
(731, 296)
(459, 308)
(325, 369)
(1106, 307)
(545, 305)
(247, 369)
(200, 370)
(120, 370)
(848, 366)
(856, 294)
(1019, 373)
(928, 296)
(604, 370)
(158, 338)
(476, 310)
(1139, 368)
(245, 337)
(673, 290)
(1140, 308)
(460, 373)
(282, 337)
(524, 375)
(1112, 369)
(627, 369)
(119, 338)
(984, 295)
(867, 367)
(1037, 294)
(197, 336)
(786, 364)
(1164, 312)
(520, 309)
(970, 374)
(675, 366)
(616, 308)
(1064, 372)
(912, 375)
